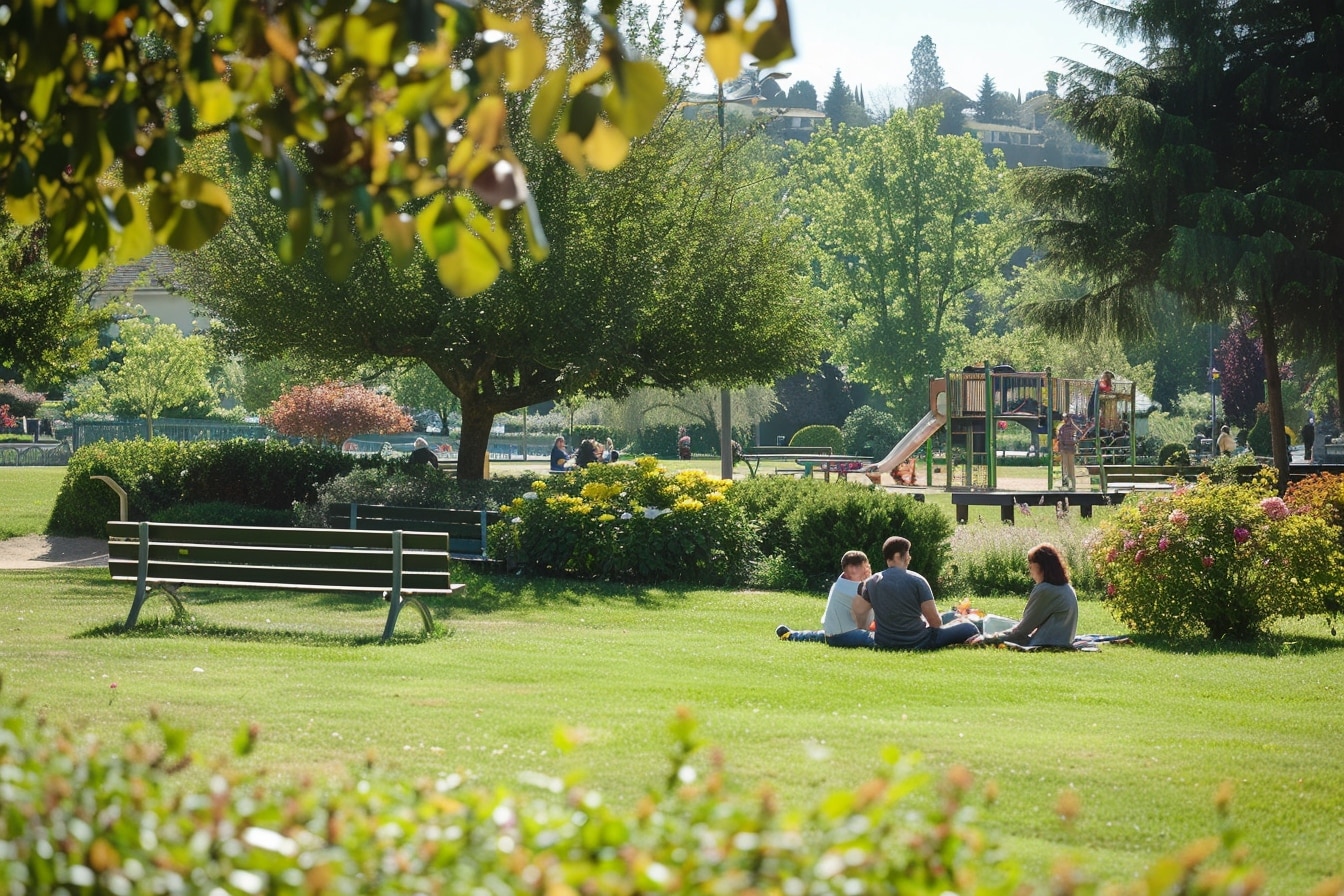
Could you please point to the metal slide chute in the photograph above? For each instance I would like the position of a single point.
(920, 433)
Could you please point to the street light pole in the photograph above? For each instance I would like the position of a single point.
(725, 396)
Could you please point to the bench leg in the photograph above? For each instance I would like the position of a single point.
(1085, 511)
(142, 575)
(963, 513)
(1008, 514)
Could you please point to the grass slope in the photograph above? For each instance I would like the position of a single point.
(1142, 734)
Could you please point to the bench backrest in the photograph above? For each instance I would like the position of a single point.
(246, 556)
(790, 450)
(466, 528)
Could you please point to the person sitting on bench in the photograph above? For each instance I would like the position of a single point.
(423, 454)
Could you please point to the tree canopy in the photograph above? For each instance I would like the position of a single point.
(1223, 187)
(926, 79)
(905, 224)
(671, 271)
(48, 329)
(358, 111)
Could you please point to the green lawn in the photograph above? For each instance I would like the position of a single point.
(27, 495)
(1142, 734)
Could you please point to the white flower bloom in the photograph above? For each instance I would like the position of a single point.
(529, 496)
(626, 515)
(652, 513)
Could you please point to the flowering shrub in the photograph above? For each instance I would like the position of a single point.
(629, 522)
(6, 421)
(86, 816)
(1322, 494)
(1217, 558)
(334, 412)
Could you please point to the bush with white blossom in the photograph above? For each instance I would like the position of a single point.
(1217, 559)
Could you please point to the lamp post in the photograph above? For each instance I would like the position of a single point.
(725, 395)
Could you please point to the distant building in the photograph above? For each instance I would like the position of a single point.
(144, 282)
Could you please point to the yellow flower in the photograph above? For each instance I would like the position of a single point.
(685, 504)
(538, 485)
(606, 518)
(714, 497)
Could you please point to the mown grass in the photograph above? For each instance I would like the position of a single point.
(27, 495)
(1142, 734)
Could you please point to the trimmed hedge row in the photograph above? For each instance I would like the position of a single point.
(808, 524)
(161, 474)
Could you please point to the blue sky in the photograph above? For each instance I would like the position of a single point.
(1014, 41)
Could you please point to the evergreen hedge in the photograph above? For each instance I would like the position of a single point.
(809, 524)
(160, 474)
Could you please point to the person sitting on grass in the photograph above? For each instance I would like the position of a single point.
(1050, 618)
(902, 603)
(838, 626)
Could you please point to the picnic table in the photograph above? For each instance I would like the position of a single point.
(781, 453)
(840, 464)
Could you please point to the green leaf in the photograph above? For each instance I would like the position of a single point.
(136, 238)
(546, 105)
(638, 100)
(187, 211)
(470, 267)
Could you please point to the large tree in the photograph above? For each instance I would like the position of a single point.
(160, 369)
(673, 270)
(842, 105)
(905, 224)
(1222, 187)
(386, 101)
(48, 328)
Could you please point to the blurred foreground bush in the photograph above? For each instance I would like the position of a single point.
(80, 816)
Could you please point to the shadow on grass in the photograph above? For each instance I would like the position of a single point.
(1269, 645)
(161, 627)
(487, 594)
(484, 594)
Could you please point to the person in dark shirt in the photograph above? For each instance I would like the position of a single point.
(1308, 437)
(559, 456)
(902, 603)
(423, 454)
(587, 454)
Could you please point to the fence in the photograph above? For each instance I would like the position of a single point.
(85, 432)
(42, 454)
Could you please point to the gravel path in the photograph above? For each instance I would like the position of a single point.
(46, 551)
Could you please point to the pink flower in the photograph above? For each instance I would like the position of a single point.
(1207, 561)
(1179, 518)
(1111, 555)
(1138, 558)
(1129, 544)
(1110, 589)
(1275, 509)
(1163, 543)
(1241, 535)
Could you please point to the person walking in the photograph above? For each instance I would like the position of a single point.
(1070, 433)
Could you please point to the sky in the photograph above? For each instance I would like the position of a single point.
(1015, 42)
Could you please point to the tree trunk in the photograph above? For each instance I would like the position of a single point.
(1269, 341)
(477, 418)
(1339, 380)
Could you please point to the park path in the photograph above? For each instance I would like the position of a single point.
(47, 551)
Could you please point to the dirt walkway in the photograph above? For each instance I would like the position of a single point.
(46, 551)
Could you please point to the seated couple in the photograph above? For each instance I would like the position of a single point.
(906, 617)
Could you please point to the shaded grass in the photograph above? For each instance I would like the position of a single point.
(1143, 734)
(27, 495)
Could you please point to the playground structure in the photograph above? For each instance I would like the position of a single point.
(974, 403)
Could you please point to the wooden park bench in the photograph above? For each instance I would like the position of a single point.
(465, 528)
(395, 565)
(1008, 502)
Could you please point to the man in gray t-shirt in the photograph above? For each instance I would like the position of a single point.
(902, 602)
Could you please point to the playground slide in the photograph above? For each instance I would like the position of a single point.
(910, 444)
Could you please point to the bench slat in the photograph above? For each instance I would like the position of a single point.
(394, 563)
